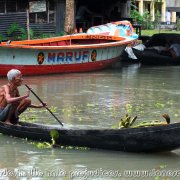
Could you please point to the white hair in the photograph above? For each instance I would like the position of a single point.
(12, 74)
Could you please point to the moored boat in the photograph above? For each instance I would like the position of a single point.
(154, 51)
(145, 139)
(71, 53)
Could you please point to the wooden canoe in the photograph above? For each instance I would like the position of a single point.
(144, 139)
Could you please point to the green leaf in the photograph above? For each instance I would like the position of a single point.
(54, 135)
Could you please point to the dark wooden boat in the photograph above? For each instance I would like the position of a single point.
(144, 139)
(151, 56)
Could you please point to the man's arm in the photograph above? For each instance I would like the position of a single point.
(10, 99)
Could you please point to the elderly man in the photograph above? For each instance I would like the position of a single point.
(11, 103)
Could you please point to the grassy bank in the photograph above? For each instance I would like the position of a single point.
(151, 32)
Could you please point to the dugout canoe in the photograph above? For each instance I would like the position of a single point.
(97, 49)
(144, 139)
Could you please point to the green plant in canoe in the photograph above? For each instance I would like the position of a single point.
(54, 136)
(128, 122)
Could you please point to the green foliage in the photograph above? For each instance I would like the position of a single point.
(23, 33)
(129, 108)
(137, 18)
(12, 29)
(54, 135)
(149, 32)
(144, 20)
(147, 20)
(178, 24)
(127, 121)
(1, 37)
(42, 145)
(159, 105)
(157, 19)
(45, 35)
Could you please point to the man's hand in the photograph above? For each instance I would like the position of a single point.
(27, 93)
(44, 104)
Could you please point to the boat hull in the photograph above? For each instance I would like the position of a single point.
(55, 69)
(147, 139)
(52, 61)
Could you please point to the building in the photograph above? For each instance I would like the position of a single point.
(174, 7)
(48, 16)
(159, 5)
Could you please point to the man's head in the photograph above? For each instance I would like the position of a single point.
(13, 73)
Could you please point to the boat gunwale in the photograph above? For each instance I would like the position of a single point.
(29, 44)
(43, 127)
(98, 46)
(71, 37)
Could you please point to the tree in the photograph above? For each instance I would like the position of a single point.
(69, 17)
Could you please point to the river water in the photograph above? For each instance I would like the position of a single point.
(96, 100)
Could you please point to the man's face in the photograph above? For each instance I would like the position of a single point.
(18, 80)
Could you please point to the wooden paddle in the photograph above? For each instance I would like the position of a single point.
(43, 103)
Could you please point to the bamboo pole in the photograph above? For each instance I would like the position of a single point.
(28, 29)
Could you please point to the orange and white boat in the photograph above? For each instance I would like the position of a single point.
(95, 50)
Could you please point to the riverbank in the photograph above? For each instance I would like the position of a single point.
(156, 31)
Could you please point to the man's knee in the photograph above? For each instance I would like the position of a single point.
(27, 102)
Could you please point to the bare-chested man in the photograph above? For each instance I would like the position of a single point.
(11, 103)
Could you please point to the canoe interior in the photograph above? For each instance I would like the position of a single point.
(70, 40)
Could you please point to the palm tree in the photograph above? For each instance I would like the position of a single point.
(69, 17)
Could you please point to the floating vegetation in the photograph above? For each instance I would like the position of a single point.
(53, 109)
(129, 108)
(90, 105)
(46, 145)
(42, 145)
(54, 136)
(27, 118)
(159, 105)
(31, 114)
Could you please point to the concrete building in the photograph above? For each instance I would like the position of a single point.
(48, 16)
(159, 5)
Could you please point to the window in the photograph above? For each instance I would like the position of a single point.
(11, 6)
(22, 5)
(2, 6)
(43, 17)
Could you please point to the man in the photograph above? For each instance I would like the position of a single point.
(168, 17)
(11, 103)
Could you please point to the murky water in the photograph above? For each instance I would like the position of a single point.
(97, 100)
